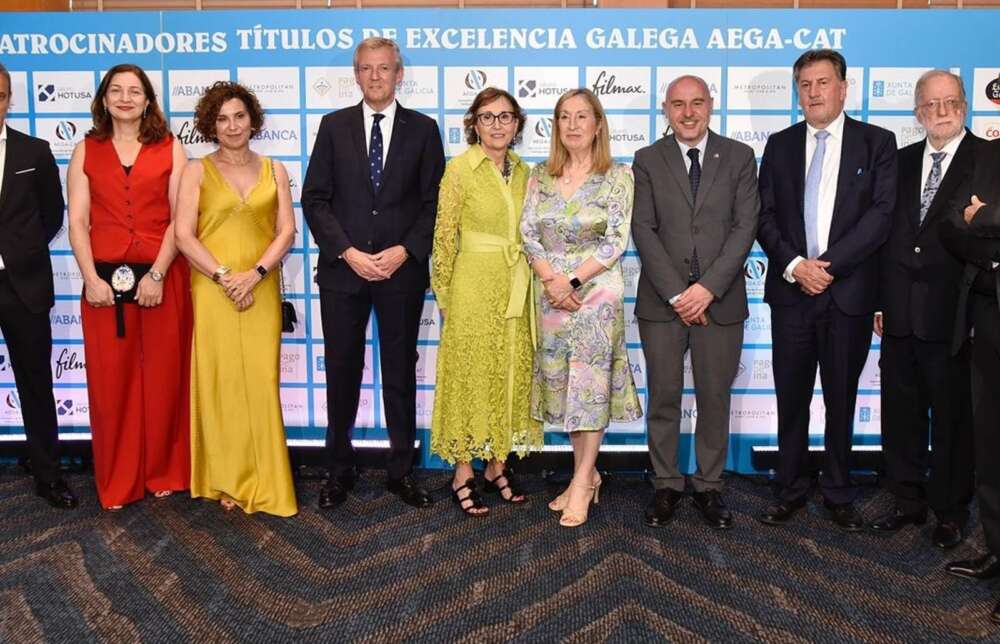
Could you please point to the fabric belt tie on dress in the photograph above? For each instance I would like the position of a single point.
(522, 287)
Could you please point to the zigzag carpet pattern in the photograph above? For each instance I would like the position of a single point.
(375, 570)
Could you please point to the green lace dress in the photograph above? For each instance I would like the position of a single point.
(482, 282)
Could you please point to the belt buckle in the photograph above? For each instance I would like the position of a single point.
(123, 279)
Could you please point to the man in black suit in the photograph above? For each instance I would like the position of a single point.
(370, 198)
(974, 235)
(827, 188)
(924, 388)
(31, 213)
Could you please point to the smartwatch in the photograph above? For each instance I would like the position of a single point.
(574, 281)
(261, 271)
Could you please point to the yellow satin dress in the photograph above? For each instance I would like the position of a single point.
(238, 449)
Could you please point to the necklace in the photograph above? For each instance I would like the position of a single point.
(506, 172)
(222, 158)
(567, 177)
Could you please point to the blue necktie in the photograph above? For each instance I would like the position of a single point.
(375, 153)
(694, 176)
(811, 209)
(932, 185)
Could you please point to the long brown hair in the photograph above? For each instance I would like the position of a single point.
(153, 126)
(600, 149)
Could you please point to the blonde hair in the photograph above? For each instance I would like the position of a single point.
(600, 149)
(376, 42)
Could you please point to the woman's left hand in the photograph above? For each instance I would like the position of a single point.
(239, 285)
(149, 292)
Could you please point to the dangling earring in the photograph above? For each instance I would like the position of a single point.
(145, 110)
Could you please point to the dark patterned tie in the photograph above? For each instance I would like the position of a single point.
(932, 185)
(694, 175)
(375, 153)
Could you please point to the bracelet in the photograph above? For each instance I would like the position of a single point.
(219, 272)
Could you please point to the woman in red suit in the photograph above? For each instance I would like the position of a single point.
(136, 304)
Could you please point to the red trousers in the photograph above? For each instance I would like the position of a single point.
(139, 390)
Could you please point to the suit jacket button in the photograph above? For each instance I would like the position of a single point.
(687, 261)
(916, 249)
(694, 229)
(374, 212)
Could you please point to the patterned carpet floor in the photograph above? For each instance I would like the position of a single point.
(376, 570)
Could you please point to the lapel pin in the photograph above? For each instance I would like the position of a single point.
(715, 156)
(860, 172)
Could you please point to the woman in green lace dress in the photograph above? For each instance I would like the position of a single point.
(482, 283)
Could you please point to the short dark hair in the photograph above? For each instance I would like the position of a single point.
(207, 109)
(153, 126)
(489, 95)
(818, 56)
(6, 74)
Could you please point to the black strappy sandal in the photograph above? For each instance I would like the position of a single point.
(474, 500)
(491, 486)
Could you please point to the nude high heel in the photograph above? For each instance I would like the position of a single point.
(558, 504)
(572, 518)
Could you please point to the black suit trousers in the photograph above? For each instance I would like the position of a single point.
(986, 414)
(813, 333)
(925, 391)
(29, 342)
(345, 317)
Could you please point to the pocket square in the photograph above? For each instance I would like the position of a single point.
(860, 171)
(25, 171)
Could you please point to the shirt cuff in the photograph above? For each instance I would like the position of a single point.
(791, 267)
(674, 299)
(995, 264)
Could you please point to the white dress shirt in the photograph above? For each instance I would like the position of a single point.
(700, 145)
(385, 125)
(827, 184)
(949, 149)
(3, 161)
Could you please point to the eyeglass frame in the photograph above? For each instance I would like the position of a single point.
(487, 119)
(951, 103)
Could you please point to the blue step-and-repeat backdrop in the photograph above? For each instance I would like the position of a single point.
(299, 64)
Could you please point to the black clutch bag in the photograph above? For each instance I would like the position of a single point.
(123, 277)
(289, 318)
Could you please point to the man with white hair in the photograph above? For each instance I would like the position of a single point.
(925, 390)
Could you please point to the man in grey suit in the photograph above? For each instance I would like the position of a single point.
(694, 221)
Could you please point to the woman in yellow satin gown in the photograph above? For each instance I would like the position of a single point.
(235, 223)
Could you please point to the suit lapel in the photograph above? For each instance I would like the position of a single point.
(671, 154)
(910, 179)
(8, 169)
(396, 142)
(797, 170)
(709, 169)
(361, 146)
(957, 171)
(849, 166)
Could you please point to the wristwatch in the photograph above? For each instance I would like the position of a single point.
(261, 271)
(155, 275)
(219, 272)
(574, 281)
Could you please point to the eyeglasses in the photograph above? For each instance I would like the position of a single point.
(486, 119)
(951, 104)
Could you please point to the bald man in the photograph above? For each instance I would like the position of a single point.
(694, 221)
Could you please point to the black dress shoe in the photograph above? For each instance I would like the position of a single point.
(844, 516)
(334, 492)
(57, 494)
(946, 535)
(713, 509)
(984, 567)
(661, 509)
(781, 512)
(408, 490)
(895, 519)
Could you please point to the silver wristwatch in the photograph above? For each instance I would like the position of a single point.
(155, 275)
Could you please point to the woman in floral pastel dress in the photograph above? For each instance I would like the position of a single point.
(575, 226)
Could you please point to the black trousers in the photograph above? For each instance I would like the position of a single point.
(817, 333)
(925, 396)
(345, 317)
(986, 414)
(29, 343)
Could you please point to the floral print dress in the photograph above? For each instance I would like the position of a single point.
(582, 378)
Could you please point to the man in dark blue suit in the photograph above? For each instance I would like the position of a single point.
(370, 198)
(828, 189)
